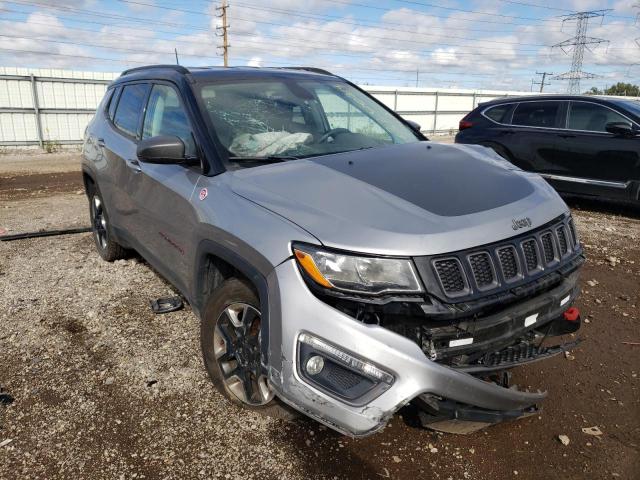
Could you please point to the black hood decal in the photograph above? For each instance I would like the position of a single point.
(437, 178)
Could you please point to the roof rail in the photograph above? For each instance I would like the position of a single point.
(310, 69)
(177, 68)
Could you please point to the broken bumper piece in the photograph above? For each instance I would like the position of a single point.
(368, 372)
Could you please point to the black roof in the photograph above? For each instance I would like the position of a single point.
(542, 97)
(169, 72)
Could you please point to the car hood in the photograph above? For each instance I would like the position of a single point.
(421, 198)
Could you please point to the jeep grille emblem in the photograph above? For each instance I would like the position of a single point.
(521, 223)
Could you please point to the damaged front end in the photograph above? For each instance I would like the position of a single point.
(447, 350)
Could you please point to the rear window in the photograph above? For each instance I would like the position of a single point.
(537, 114)
(127, 117)
(498, 113)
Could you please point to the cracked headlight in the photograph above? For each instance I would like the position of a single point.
(358, 274)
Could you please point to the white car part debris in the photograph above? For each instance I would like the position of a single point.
(267, 143)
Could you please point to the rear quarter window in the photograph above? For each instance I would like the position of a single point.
(498, 113)
(130, 106)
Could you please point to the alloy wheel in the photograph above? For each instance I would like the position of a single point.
(237, 350)
(99, 221)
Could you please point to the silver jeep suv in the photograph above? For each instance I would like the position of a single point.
(340, 263)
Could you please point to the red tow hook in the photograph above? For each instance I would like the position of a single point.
(572, 314)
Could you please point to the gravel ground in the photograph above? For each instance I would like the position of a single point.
(102, 388)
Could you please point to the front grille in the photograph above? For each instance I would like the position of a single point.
(547, 247)
(513, 354)
(450, 274)
(508, 262)
(501, 265)
(562, 241)
(482, 269)
(574, 237)
(530, 254)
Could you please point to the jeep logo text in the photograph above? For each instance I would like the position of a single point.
(521, 223)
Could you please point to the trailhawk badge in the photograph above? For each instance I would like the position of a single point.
(203, 193)
(521, 223)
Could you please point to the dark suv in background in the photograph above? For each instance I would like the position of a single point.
(581, 144)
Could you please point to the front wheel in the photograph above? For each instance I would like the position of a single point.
(231, 345)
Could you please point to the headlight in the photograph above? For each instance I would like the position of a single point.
(357, 274)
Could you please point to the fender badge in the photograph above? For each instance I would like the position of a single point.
(203, 193)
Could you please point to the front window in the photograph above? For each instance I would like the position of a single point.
(592, 117)
(287, 117)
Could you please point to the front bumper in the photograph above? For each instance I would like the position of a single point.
(293, 309)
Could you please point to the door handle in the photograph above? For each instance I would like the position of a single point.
(134, 165)
(567, 135)
(101, 142)
(507, 132)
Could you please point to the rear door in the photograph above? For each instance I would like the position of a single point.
(593, 157)
(120, 140)
(165, 218)
(534, 138)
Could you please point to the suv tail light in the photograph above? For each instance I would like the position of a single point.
(464, 124)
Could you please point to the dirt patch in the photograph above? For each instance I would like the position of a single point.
(19, 186)
(102, 388)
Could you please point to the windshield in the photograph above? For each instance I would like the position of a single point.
(632, 105)
(293, 118)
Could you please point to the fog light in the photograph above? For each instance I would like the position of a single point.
(315, 365)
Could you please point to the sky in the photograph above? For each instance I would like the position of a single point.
(474, 44)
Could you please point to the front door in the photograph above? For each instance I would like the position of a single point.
(593, 157)
(162, 194)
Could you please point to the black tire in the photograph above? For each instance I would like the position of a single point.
(107, 247)
(232, 293)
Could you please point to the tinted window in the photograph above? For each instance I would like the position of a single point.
(498, 113)
(592, 117)
(166, 116)
(537, 114)
(129, 108)
(113, 102)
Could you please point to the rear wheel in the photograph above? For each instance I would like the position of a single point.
(108, 248)
(231, 345)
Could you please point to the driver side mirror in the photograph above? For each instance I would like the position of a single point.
(164, 149)
(414, 125)
(622, 129)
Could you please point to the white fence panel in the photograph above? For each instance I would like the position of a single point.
(67, 99)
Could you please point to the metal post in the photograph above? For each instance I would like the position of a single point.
(36, 109)
(395, 101)
(435, 114)
(474, 100)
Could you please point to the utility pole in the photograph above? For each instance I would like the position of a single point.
(223, 31)
(577, 45)
(542, 82)
(417, 76)
(177, 61)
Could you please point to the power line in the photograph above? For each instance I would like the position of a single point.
(577, 44)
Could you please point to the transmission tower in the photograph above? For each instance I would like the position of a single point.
(577, 45)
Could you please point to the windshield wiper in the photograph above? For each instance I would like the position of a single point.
(267, 159)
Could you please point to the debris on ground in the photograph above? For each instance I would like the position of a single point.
(563, 439)
(592, 431)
